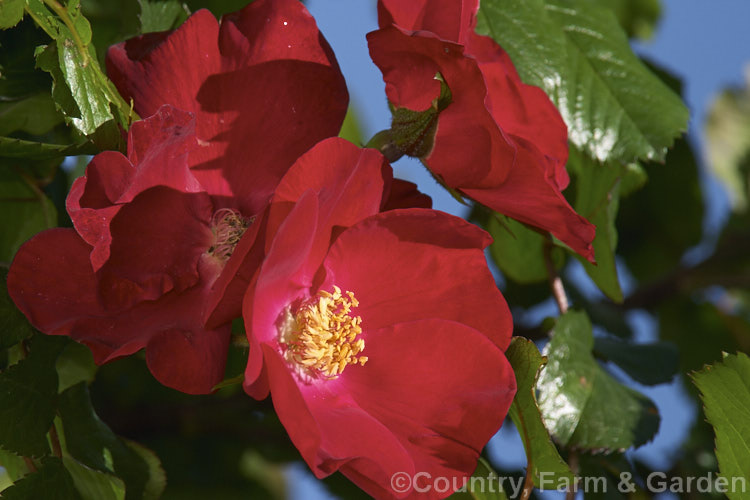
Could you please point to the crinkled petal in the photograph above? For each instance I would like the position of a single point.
(250, 81)
(408, 265)
(405, 194)
(451, 20)
(157, 241)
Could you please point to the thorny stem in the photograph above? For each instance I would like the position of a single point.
(528, 484)
(558, 291)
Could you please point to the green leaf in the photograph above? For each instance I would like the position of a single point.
(35, 115)
(14, 466)
(19, 77)
(24, 211)
(637, 17)
(93, 444)
(725, 390)
(27, 398)
(14, 327)
(350, 129)
(11, 12)
(518, 251)
(18, 148)
(541, 453)
(161, 15)
(484, 484)
(93, 484)
(157, 478)
(82, 92)
(597, 199)
(667, 213)
(649, 364)
(50, 482)
(582, 405)
(615, 108)
(727, 130)
(74, 364)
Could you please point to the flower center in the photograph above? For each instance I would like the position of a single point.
(320, 340)
(228, 227)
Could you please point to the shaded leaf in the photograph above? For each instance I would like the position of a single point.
(14, 327)
(50, 482)
(74, 364)
(34, 115)
(725, 390)
(615, 108)
(518, 251)
(668, 214)
(582, 405)
(162, 15)
(157, 478)
(31, 150)
(93, 484)
(93, 444)
(24, 211)
(11, 12)
(27, 398)
(597, 199)
(541, 453)
(19, 77)
(649, 364)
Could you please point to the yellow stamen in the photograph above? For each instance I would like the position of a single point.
(228, 227)
(321, 338)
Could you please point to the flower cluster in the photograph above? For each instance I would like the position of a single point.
(372, 319)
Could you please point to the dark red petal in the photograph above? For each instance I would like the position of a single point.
(249, 82)
(441, 387)
(349, 182)
(52, 282)
(157, 240)
(451, 20)
(404, 194)
(190, 361)
(531, 197)
(407, 265)
(330, 429)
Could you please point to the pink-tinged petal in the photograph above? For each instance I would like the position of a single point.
(190, 361)
(531, 196)
(470, 149)
(284, 277)
(331, 430)
(51, 281)
(441, 387)
(157, 241)
(407, 265)
(349, 183)
(404, 194)
(246, 86)
(451, 20)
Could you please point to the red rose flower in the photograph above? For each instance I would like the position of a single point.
(497, 140)
(379, 336)
(137, 270)
(264, 86)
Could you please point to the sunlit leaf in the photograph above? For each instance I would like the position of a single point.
(541, 453)
(575, 50)
(93, 484)
(11, 11)
(725, 390)
(161, 15)
(582, 405)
